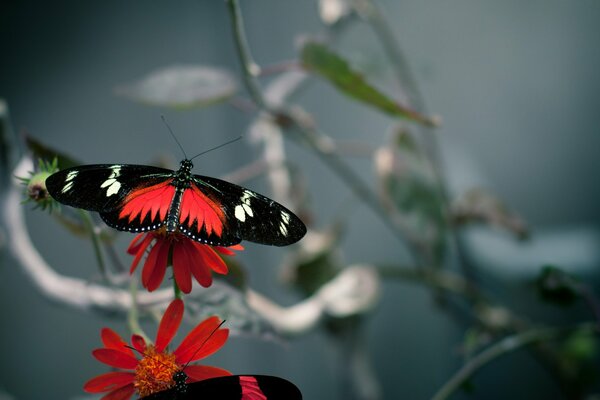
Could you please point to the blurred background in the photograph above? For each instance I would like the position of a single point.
(516, 84)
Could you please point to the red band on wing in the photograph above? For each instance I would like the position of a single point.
(154, 200)
(250, 389)
(196, 206)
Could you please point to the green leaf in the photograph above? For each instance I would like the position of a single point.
(47, 153)
(315, 262)
(181, 86)
(556, 286)
(412, 195)
(320, 60)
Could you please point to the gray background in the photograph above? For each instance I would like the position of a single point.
(515, 82)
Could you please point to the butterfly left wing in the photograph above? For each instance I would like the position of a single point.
(101, 187)
(235, 387)
(244, 214)
(128, 197)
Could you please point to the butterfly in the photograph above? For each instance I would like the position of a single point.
(234, 387)
(140, 198)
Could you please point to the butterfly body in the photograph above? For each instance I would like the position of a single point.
(139, 198)
(233, 387)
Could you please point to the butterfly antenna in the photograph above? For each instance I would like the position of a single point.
(203, 343)
(218, 147)
(164, 120)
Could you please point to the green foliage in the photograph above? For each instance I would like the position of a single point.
(182, 86)
(42, 151)
(556, 286)
(320, 60)
(412, 196)
(316, 265)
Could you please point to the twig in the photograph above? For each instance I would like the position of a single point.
(250, 69)
(504, 346)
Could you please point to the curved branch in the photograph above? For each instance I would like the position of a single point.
(498, 349)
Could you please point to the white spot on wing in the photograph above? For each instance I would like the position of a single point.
(243, 209)
(240, 214)
(112, 183)
(69, 181)
(113, 188)
(283, 229)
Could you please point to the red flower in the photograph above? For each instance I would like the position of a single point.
(188, 258)
(154, 371)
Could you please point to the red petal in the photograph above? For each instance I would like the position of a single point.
(169, 324)
(198, 266)
(156, 265)
(201, 372)
(115, 358)
(112, 340)
(182, 266)
(202, 341)
(135, 244)
(123, 393)
(138, 343)
(229, 251)
(109, 381)
(211, 258)
(141, 251)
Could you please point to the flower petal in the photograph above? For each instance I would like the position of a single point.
(123, 393)
(169, 324)
(211, 258)
(202, 341)
(200, 372)
(156, 265)
(198, 267)
(112, 340)
(115, 358)
(109, 381)
(138, 343)
(229, 251)
(182, 266)
(135, 244)
(141, 250)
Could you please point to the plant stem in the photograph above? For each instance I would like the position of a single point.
(91, 228)
(132, 313)
(504, 346)
(250, 69)
(317, 141)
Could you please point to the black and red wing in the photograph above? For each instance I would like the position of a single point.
(102, 187)
(140, 198)
(236, 387)
(246, 215)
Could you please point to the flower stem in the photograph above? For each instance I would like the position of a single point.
(176, 291)
(132, 313)
(91, 228)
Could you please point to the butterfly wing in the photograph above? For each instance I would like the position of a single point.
(128, 197)
(139, 198)
(101, 187)
(243, 214)
(235, 387)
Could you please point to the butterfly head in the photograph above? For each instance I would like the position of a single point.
(186, 165)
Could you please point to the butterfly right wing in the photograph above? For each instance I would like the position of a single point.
(234, 387)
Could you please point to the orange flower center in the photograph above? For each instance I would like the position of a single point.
(154, 372)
